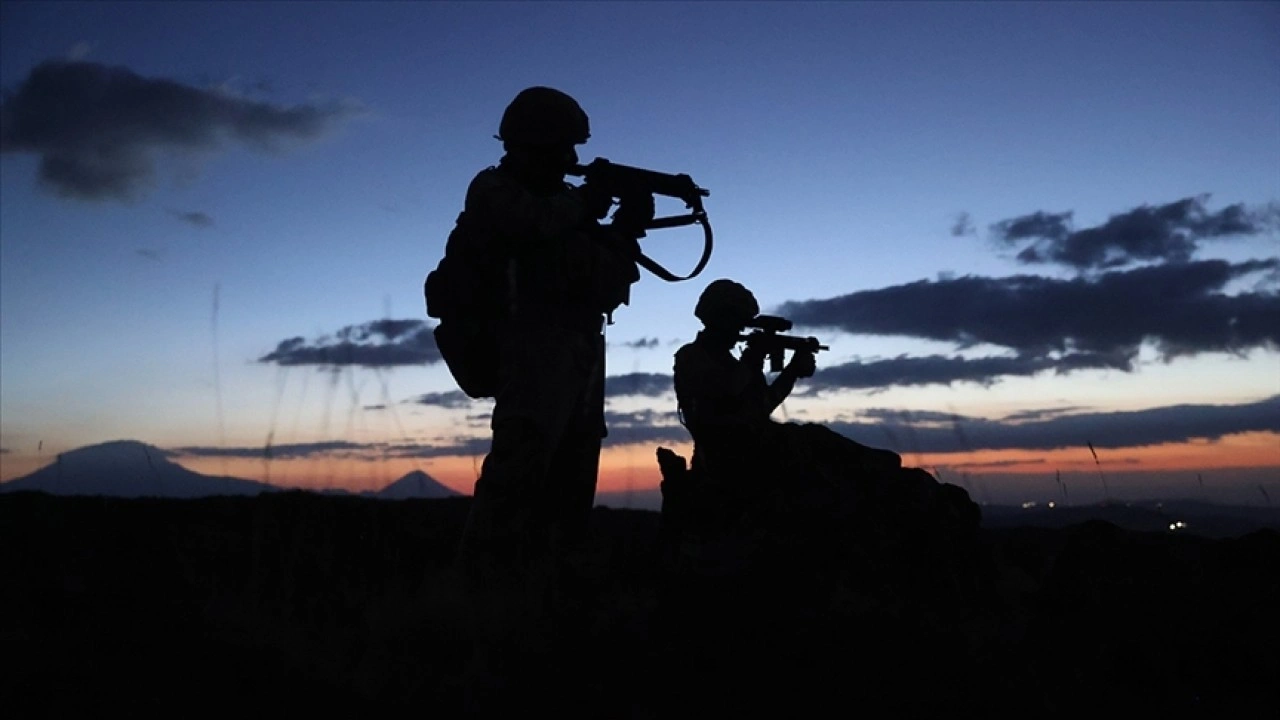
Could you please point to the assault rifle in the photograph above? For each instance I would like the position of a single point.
(774, 346)
(620, 181)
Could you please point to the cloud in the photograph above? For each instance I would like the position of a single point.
(1040, 414)
(991, 465)
(451, 400)
(98, 128)
(1179, 306)
(638, 384)
(913, 417)
(642, 344)
(637, 435)
(962, 226)
(943, 370)
(328, 448)
(1040, 224)
(452, 447)
(340, 449)
(195, 218)
(1171, 424)
(1083, 322)
(637, 418)
(1171, 232)
(376, 344)
(907, 431)
(644, 427)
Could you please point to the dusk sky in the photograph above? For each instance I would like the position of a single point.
(1042, 240)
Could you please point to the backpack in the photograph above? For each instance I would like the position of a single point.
(467, 293)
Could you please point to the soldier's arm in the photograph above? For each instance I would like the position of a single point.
(510, 212)
(801, 365)
(780, 389)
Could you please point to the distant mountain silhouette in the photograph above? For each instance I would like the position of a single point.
(127, 468)
(415, 485)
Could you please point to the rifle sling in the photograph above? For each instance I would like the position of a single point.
(657, 269)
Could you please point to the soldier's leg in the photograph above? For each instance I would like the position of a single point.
(575, 465)
(539, 379)
(499, 555)
(499, 527)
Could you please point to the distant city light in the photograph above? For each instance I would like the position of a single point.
(1030, 504)
(1178, 525)
(1052, 504)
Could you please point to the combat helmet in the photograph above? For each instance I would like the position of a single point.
(544, 116)
(725, 303)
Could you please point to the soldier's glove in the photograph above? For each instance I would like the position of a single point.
(596, 202)
(634, 213)
(753, 356)
(803, 364)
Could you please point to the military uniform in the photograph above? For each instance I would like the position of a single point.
(723, 401)
(726, 403)
(537, 484)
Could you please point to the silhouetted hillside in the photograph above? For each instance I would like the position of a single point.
(301, 603)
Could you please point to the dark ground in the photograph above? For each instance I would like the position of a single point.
(301, 603)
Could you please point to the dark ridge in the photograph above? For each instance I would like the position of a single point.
(305, 603)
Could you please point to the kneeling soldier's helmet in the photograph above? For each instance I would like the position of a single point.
(725, 303)
(544, 116)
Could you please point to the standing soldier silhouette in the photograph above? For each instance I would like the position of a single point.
(564, 272)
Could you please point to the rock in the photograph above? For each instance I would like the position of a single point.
(843, 548)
